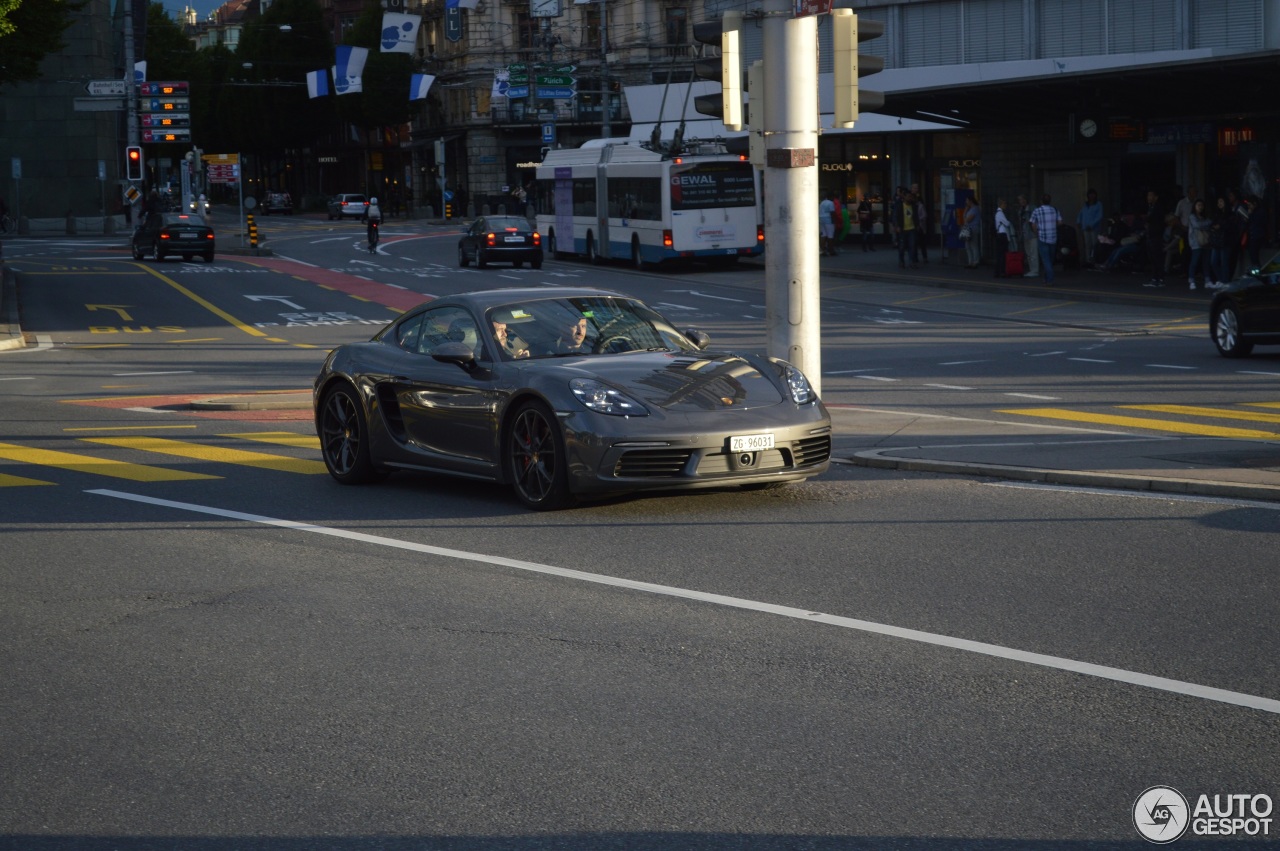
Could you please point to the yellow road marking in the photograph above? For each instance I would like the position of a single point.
(1221, 413)
(1136, 422)
(221, 455)
(7, 481)
(281, 438)
(1045, 307)
(97, 466)
(207, 305)
(1263, 404)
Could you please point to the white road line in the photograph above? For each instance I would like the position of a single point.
(1035, 396)
(170, 372)
(875, 377)
(949, 386)
(1169, 366)
(994, 650)
(1045, 354)
(960, 362)
(1091, 360)
(1253, 372)
(18, 378)
(855, 371)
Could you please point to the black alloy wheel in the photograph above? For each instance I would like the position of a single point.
(539, 468)
(344, 438)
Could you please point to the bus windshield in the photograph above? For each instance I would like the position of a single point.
(700, 186)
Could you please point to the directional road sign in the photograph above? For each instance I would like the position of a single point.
(165, 119)
(555, 80)
(555, 92)
(517, 92)
(106, 88)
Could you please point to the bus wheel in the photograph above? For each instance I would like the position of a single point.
(636, 260)
(592, 257)
(551, 246)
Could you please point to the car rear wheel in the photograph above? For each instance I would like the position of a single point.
(137, 253)
(208, 257)
(519, 264)
(537, 264)
(344, 438)
(187, 257)
(156, 252)
(463, 261)
(1226, 333)
(539, 468)
(481, 262)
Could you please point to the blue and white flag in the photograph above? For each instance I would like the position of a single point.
(317, 83)
(140, 71)
(419, 85)
(349, 69)
(399, 32)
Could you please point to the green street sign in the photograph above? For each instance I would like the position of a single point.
(518, 79)
(555, 80)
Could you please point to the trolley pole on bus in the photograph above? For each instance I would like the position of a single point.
(790, 127)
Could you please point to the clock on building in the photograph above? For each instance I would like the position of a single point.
(544, 8)
(1088, 128)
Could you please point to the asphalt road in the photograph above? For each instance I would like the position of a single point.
(209, 644)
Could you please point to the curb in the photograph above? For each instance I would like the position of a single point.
(1193, 487)
(10, 328)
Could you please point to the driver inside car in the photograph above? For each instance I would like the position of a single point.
(510, 345)
(573, 337)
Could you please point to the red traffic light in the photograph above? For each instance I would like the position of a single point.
(133, 162)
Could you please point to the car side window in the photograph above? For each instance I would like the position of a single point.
(447, 325)
(409, 332)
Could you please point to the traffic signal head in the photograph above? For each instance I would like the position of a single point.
(133, 162)
(724, 34)
(850, 65)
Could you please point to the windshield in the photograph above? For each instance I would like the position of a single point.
(547, 328)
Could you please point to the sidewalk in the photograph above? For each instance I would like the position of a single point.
(1075, 283)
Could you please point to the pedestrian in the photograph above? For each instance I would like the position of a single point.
(1027, 233)
(1255, 231)
(1004, 230)
(923, 223)
(827, 225)
(1198, 227)
(1233, 231)
(1088, 220)
(1155, 239)
(971, 231)
(1218, 244)
(837, 218)
(904, 224)
(1045, 220)
(867, 223)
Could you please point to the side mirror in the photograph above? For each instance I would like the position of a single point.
(460, 354)
(701, 339)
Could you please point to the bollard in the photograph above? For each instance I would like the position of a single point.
(253, 230)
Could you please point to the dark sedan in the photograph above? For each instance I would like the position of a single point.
(500, 239)
(1247, 313)
(563, 394)
(167, 234)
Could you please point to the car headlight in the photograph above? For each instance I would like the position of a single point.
(801, 390)
(603, 399)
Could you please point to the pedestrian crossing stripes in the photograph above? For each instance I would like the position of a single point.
(167, 448)
(1191, 424)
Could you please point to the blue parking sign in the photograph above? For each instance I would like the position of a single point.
(548, 134)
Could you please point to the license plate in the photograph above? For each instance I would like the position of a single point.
(750, 442)
(513, 239)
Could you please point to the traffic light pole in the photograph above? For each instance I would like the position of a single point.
(791, 225)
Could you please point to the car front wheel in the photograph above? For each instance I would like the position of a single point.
(539, 468)
(344, 438)
(1226, 333)
(462, 257)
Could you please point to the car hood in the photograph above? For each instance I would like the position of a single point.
(686, 381)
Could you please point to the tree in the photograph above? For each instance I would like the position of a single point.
(30, 30)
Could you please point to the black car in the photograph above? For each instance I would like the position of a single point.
(500, 239)
(166, 234)
(1247, 313)
(564, 393)
(277, 202)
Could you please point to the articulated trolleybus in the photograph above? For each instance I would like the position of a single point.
(623, 201)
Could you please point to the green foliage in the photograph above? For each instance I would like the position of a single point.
(30, 30)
